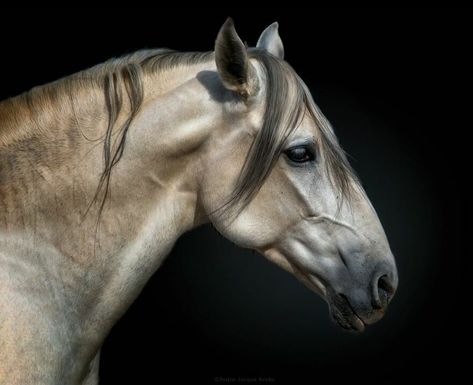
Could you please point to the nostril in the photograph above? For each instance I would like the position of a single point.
(385, 284)
(383, 292)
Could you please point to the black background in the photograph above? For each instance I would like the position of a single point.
(396, 85)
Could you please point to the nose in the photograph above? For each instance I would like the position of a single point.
(366, 302)
(384, 287)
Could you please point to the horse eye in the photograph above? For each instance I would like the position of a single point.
(300, 154)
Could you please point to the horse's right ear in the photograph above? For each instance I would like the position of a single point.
(233, 65)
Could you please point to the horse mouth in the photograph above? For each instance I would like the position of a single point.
(340, 308)
(344, 314)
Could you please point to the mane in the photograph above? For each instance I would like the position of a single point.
(127, 74)
(287, 101)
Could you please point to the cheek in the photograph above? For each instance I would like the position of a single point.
(272, 212)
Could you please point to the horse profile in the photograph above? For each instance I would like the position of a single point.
(102, 171)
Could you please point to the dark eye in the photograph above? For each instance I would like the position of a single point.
(300, 154)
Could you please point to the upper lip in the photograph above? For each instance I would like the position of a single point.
(341, 308)
(344, 314)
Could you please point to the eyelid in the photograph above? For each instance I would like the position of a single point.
(308, 144)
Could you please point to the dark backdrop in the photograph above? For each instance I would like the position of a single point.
(396, 85)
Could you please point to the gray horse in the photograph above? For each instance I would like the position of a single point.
(102, 171)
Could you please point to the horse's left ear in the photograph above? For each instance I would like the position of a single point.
(233, 65)
(271, 41)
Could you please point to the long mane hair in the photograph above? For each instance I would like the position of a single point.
(287, 102)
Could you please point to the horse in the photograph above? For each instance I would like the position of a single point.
(102, 171)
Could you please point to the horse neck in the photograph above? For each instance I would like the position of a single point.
(42, 142)
(153, 194)
(51, 147)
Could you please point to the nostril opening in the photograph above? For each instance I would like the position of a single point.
(385, 291)
(385, 285)
(382, 291)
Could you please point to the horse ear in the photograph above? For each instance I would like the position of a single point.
(234, 68)
(271, 41)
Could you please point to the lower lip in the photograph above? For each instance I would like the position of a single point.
(358, 324)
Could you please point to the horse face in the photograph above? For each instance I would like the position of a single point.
(327, 235)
